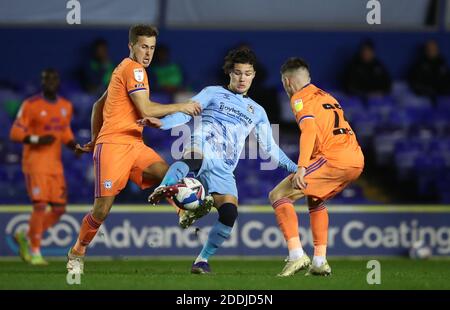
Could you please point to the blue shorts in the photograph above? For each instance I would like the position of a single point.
(215, 175)
(216, 181)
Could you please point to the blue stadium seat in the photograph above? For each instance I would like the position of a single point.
(412, 100)
(384, 144)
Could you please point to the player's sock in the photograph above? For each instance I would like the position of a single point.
(319, 226)
(176, 172)
(288, 223)
(52, 217)
(88, 229)
(295, 248)
(220, 231)
(36, 226)
(319, 260)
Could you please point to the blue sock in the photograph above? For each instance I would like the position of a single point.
(218, 234)
(176, 172)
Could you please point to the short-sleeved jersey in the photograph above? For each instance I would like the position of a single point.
(38, 116)
(119, 112)
(335, 139)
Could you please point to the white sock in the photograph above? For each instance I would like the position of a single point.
(200, 259)
(296, 253)
(319, 260)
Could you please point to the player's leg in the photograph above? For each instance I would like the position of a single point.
(112, 166)
(38, 192)
(227, 208)
(88, 229)
(191, 162)
(282, 198)
(323, 184)
(318, 215)
(58, 201)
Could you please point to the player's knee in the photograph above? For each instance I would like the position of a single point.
(100, 211)
(314, 203)
(274, 195)
(228, 214)
(39, 206)
(193, 162)
(59, 209)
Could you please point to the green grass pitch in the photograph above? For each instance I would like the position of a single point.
(229, 274)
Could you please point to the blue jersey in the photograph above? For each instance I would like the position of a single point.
(227, 119)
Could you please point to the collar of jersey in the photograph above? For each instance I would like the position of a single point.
(226, 87)
(305, 90)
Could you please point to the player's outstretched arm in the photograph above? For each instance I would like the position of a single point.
(149, 108)
(263, 132)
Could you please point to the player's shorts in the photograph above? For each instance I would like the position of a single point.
(216, 181)
(214, 173)
(115, 164)
(324, 181)
(48, 188)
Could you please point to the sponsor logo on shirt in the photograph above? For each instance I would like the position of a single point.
(298, 105)
(139, 75)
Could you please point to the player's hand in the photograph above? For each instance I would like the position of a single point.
(191, 107)
(298, 181)
(150, 122)
(46, 140)
(87, 148)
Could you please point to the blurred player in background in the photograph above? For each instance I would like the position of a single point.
(330, 158)
(43, 125)
(228, 116)
(120, 153)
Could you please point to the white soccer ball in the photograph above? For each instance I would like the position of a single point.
(420, 251)
(190, 194)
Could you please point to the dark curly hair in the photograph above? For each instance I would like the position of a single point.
(240, 55)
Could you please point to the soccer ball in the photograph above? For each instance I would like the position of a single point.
(420, 251)
(190, 194)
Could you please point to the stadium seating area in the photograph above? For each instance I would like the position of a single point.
(409, 133)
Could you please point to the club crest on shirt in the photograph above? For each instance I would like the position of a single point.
(298, 105)
(250, 109)
(108, 184)
(63, 112)
(36, 191)
(138, 74)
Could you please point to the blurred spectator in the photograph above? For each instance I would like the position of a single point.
(430, 75)
(366, 75)
(167, 75)
(97, 72)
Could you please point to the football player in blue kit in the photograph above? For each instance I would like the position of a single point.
(228, 116)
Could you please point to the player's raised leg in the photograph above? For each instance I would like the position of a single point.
(227, 208)
(192, 161)
(282, 198)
